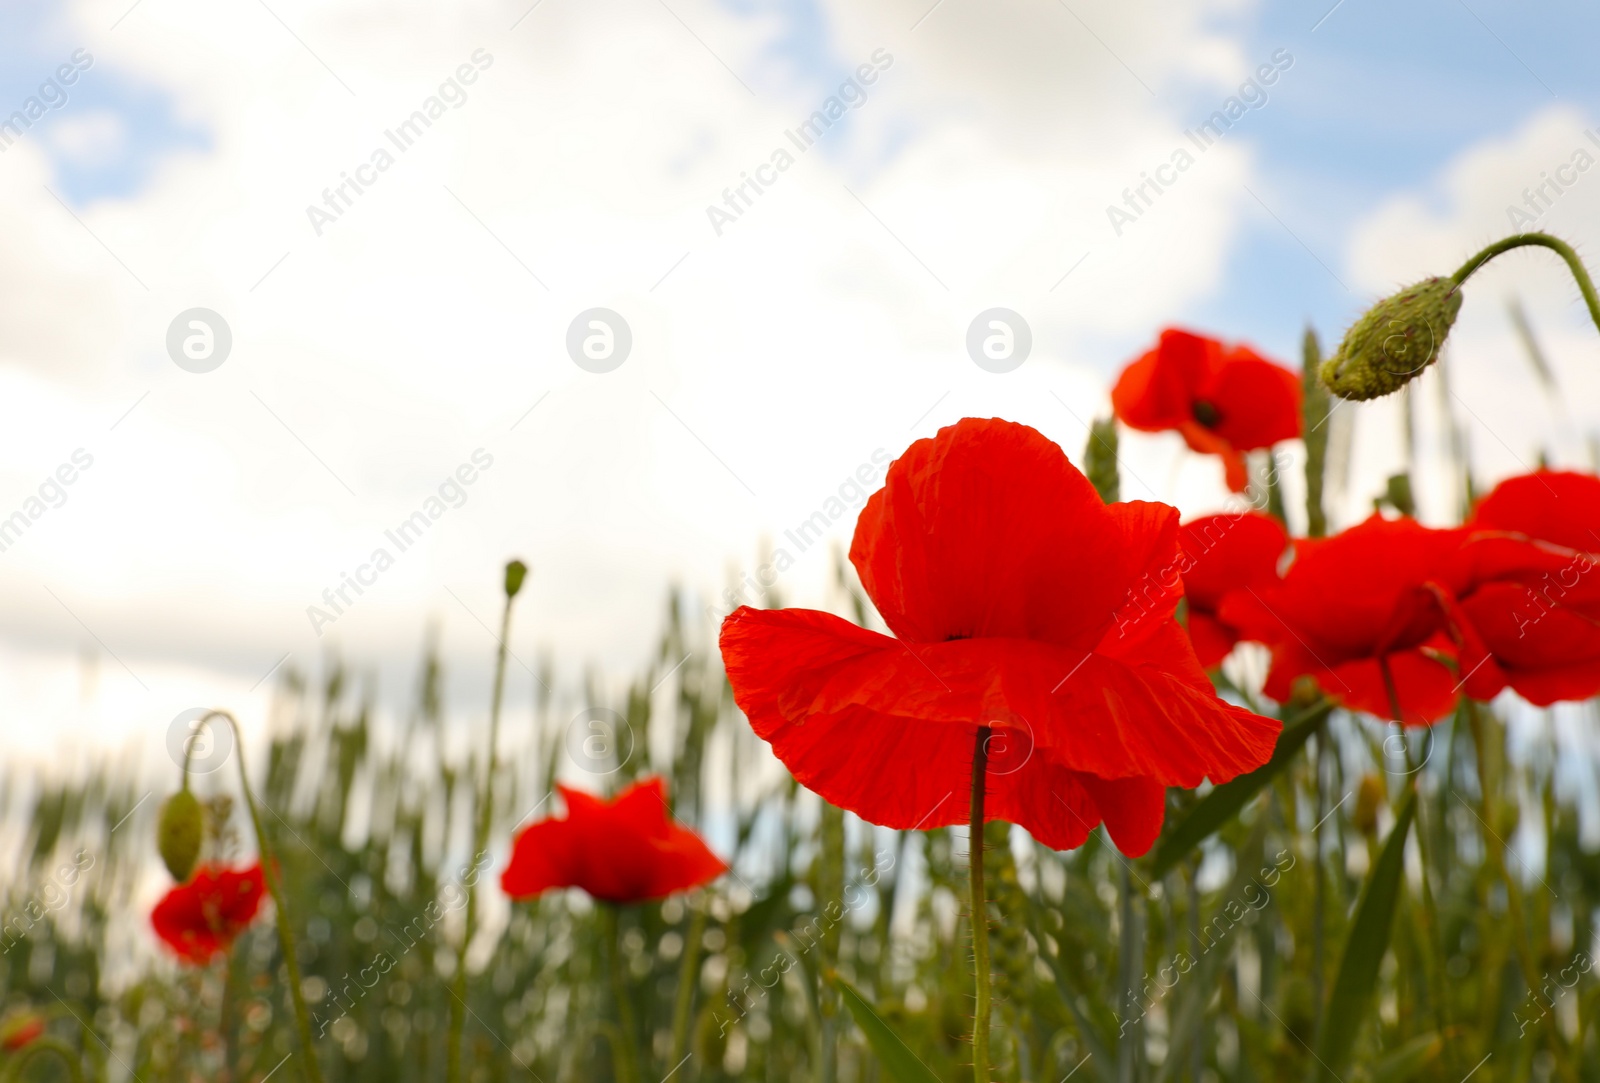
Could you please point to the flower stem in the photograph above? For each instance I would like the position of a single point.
(1432, 948)
(980, 911)
(1543, 240)
(480, 842)
(627, 1054)
(688, 979)
(269, 873)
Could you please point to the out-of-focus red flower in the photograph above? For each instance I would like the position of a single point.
(1375, 596)
(1223, 401)
(1019, 601)
(625, 850)
(1533, 599)
(1223, 554)
(19, 1030)
(203, 917)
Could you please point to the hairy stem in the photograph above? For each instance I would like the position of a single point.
(980, 911)
(1543, 240)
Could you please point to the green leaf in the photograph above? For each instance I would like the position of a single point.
(1402, 1064)
(901, 1064)
(1198, 984)
(1223, 803)
(1364, 950)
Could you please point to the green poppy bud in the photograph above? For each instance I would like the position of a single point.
(179, 833)
(516, 572)
(1100, 460)
(1394, 340)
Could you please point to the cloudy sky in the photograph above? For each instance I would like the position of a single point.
(395, 336)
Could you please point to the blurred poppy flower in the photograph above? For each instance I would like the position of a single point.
(1222, 554)
(204, 916)
(1222, 401)
(1019, 602)
(20, 1030)
(1353, 604)
(1536, 607)
(625, 850)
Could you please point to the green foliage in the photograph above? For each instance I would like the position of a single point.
(1234, 910)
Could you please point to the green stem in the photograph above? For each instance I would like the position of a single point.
(269, 873)
(980, 911)
(480, 842)
(39, 1047)
(1543, 240)
(627, 1054)
(1433, 945)
(688, 980)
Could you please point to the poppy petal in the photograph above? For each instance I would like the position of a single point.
(986, 530)
(1257, 401)
(813, 684)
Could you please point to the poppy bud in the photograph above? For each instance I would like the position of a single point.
(1394, 340)
(516, 572)
(1369, 799)
(179, 833)
(1100, 460)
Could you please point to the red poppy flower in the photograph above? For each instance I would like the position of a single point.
(1375, 595)
(1223, 401)
(625, 850)
(1020, 602)
(20, 1030)
(204, 916)
(1536, 607)
(1222, 554)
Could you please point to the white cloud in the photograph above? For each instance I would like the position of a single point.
(413, 330)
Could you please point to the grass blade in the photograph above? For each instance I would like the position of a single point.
(1222, 804)
(899, 1062)
(1364, 950)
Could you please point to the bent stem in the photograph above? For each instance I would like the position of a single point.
(980, 911)
(269, 873)
(1542, 240)
(480, 841)
(627, 1053)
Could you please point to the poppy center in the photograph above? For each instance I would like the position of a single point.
(1206, 413)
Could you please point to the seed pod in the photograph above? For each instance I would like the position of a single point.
(179, 833)
(1394, 340)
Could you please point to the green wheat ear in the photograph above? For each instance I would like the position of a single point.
(1394, 340)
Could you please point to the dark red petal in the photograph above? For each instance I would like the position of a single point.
(987, 530)
(544, 856)
(1212, 640)
(1428, 690)
(1343, 598)
(1548, 653)
(1132, 808)
(1229, 552)
(1157, 392)
(1257, 401)
(1556, 506)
